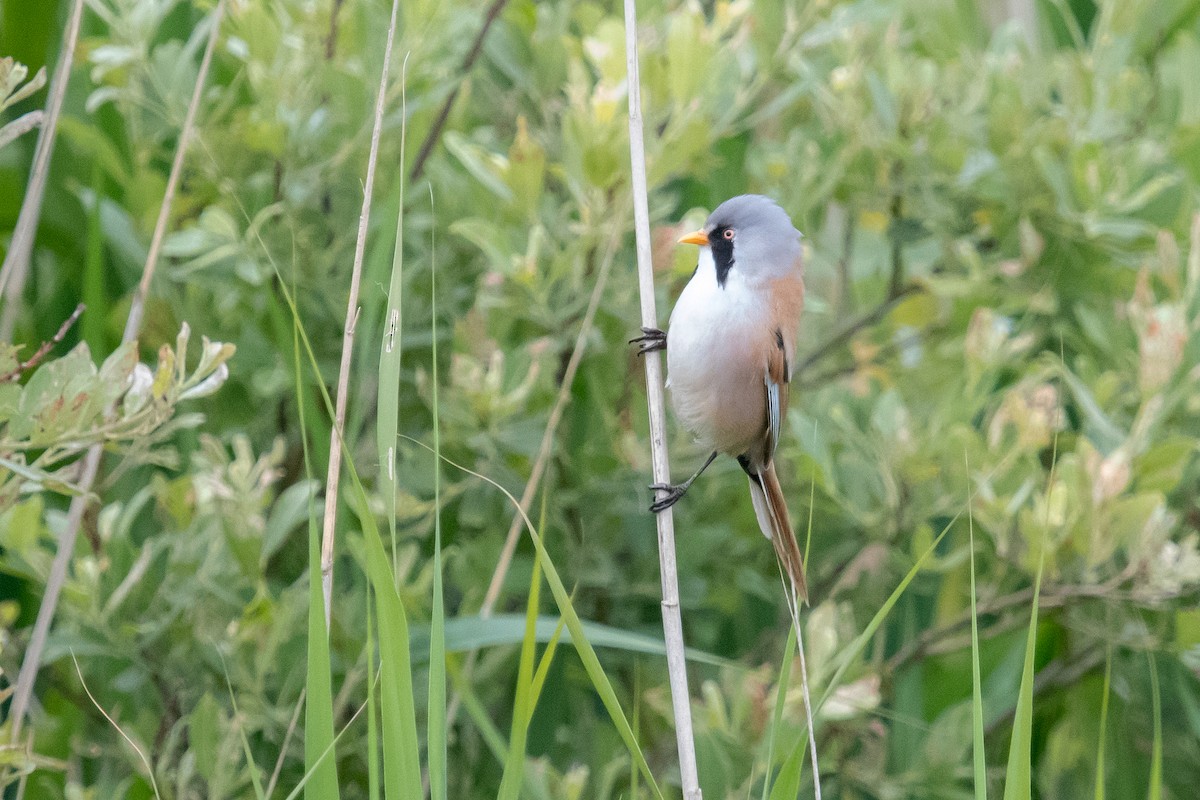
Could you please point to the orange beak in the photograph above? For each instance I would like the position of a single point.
(696, 237)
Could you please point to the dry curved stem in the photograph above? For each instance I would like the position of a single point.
(329, 533)
(46, 347)
(16, 262)
(66, 540)
(672, 622)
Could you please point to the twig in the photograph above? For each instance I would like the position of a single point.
(870, 318)
(66, 540)
(556, 413)
(287, 738)
(925, 643)
(543, 457)
(328, 533)
(46, 347)
(20, 126)
(897, 214)
(16, 263)
(331, 39)
(435, 132)
(672, 622)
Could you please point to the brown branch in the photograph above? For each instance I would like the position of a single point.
(821, 351)
(926, 643)
(897, 215)
(435, 132)
(46, 347)
(331, 39)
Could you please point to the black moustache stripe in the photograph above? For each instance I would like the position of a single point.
(722, 250)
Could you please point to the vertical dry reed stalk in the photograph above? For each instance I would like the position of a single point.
(329, 533)
(672, 622)
(16, 262)
(91, 461)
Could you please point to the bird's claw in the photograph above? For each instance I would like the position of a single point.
(651, 339)
(673, 493)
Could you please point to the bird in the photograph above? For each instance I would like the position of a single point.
(731, 343)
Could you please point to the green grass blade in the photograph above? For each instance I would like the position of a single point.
(523, 704)
(402, 764)
(851, 652)
(860, 642)
(1156, 752)
(1018, 775)
(979, 756)
(436, 728)
(591, 663)
(787, 784)
(539, 677)
(318, 693)
(785, 674)
(387, 416)
(1103, 737)
(372, 708)
(474, 632)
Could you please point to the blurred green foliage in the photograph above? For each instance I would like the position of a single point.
(1009, 210)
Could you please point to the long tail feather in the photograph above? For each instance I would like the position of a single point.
(773, 519)
(776, 525)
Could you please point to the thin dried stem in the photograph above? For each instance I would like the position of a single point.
(556, 413)
(672, 622)
(16, 263)
(46, 347)
(91, 461)
(329, 534)
(793, 603)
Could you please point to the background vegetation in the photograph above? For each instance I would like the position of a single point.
(1001, 348)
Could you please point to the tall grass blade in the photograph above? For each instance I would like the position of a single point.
(318, 704)
(401, 766)
(436, 733)
(856, 647)
(1156, 751)
(979, 758)
(1098, 794)
(860, 642)
(1018, 775)
(785, 674)
(787, 784)
(388, 400)
(373, 785)
(523, 704)
(591, 663)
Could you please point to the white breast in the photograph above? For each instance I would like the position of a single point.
(714, 373)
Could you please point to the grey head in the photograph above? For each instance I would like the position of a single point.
(752, 234)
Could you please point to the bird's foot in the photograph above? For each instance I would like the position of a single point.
(651, 339)
(670, 498)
